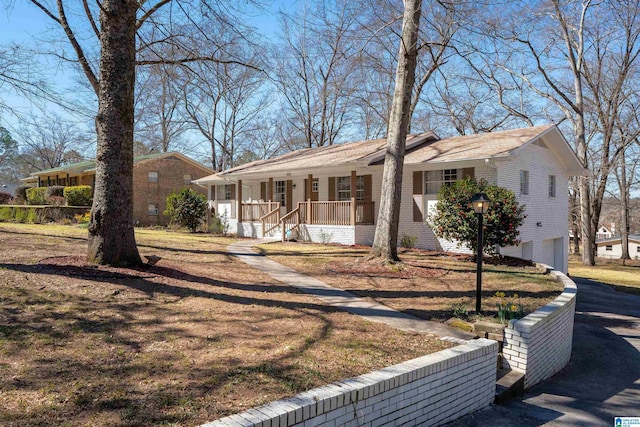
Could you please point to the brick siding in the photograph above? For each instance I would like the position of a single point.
(539, 344)
(171, 171)
(428, 391)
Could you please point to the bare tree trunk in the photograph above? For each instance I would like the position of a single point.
(111, 235)
(624, 204)
(385, 244)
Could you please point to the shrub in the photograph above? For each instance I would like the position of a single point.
(36, 195)
(21, 192)
(31, 216)
(186, 208)
(7, 213)
(5, 198)
(21, 215)
(55, 191)
(78, 195)
(408, 241)
(454, 218)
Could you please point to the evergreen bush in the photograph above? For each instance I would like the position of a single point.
(186, 208)
(79, 195)
(455, 219)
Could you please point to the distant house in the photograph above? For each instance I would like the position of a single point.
(155, 176)
(612, 247)
(605, 232)
(332, 193)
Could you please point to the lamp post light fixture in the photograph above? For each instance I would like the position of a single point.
(480, 203)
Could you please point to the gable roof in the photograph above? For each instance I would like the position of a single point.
(87, 166)
(420, 148)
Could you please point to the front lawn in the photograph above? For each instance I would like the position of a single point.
(198, 336)
(429, 285)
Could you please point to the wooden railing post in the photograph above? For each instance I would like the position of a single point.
(239, 196)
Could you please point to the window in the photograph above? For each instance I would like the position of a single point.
(186, 179)
(434, 180)
(638, 248)
(153, 210)
(314, 186)
(552, 186)
(223, 192)
(343, 188)
(608, 248)
(524, 182)
(153, 176)
(280, 192)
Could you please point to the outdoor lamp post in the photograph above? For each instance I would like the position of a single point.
(480, 203)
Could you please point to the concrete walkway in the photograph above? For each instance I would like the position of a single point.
(602, 380)
(342, 299)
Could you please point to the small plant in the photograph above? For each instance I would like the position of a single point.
(21, 192)
(509, 310)
(82, 218)
(219, 224)
(325, 237)
(460, 310)
(408, 241)
(21, 215)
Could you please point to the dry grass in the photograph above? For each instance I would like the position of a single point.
(196, 337)
(623, 278)
(428, 285)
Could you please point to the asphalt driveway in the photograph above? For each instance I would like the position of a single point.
(602, 380)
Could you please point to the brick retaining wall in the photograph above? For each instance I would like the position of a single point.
(539, 344)
(430, 390)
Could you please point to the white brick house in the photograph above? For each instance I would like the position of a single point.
(308, 194)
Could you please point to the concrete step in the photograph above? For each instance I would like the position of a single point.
(509, 385)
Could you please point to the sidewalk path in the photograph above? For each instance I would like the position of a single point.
(602, 380)
(342, 299)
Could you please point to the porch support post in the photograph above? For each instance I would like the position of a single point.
(239, 192)
(309, 188)
(270, 191)
(209, 206)
(353, 198)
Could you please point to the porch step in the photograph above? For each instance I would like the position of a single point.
(508, 385)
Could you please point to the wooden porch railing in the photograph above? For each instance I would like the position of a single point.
(336, 213)
(255, 211)
(290, 223)
(270, 221)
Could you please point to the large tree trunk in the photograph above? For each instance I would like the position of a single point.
(385, 244)
(111, 234)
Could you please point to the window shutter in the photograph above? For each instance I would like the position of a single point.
(213, 192)
(289, 195)
(263, 191)
(468, 172)
(367, 188)
(417, 196)
(332, 188)
(233, 191)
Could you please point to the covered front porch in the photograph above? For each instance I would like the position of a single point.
(309, 208)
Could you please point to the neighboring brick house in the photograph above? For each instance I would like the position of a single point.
(155, 176)
(332, 194)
